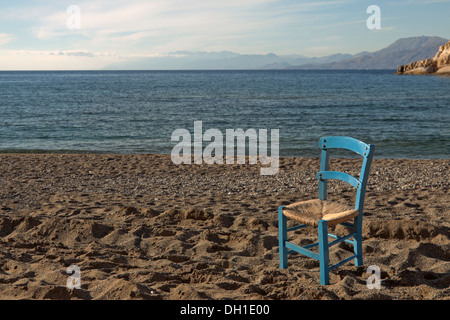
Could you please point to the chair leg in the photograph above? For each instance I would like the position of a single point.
(358, 242)
(324, 253)
(282, 237)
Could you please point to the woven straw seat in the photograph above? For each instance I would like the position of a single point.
(312, 211)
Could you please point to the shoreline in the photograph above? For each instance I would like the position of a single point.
(110, 153)
(140, 227)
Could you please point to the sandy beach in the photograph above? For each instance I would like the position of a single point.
(140, 227)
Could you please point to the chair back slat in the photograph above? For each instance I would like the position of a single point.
(340, 142)
(339, 176)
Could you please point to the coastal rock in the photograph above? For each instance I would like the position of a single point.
(439, 64)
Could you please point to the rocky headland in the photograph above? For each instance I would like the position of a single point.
(438, 65)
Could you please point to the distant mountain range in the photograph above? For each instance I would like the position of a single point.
(398, 53)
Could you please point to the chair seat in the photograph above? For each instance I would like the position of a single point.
(312, 211)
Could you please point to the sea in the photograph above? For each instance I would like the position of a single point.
(137, 111)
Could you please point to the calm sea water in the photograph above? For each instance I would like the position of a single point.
(137, 111)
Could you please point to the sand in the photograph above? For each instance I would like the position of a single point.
(140, 227)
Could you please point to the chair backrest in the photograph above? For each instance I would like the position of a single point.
(361, 148)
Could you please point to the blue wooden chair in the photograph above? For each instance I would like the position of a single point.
(322, 213)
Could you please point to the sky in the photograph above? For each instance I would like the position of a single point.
(91, 34)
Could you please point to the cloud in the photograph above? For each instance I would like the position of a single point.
(417, 2)
(68, 53)
(168, 25)
(5, 38)
(56, 59)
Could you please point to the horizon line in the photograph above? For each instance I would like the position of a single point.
(177, 70)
